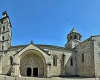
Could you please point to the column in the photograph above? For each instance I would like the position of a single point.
(48, 70)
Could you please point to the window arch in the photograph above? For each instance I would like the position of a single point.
(71, 61)
(0, 29)
(79, 38)
(1, 21)
(75, 37)
(0, 59)
(2, 37)
(11, 60)
(63, 58)
(68, 45)
(82, 57)
(2, 47)
(99, 56)
(8, 29)
(70, 37)
(3, 28)
(54, 60)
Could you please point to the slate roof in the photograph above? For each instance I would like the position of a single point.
(74, 30)
(19, 47)
(51, 47)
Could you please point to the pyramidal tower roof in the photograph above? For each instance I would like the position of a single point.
(74, 30)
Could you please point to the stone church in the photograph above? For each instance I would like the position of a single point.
(77, 58)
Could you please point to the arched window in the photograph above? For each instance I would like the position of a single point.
(71, 62)
(54, 60)
(11, 60)
(3, 28)
(0, 29)
(99, 55)
(0, 59)
(70, 37)
(1, 21)
(69, 46)
(8, 29)
(2, 47)
(79, 38)
(63, 58)
(74, 36)
(2, 37)
(82, 57)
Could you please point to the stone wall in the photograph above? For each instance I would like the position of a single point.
(63, 67)
(96, 42)
(70, 70)
(85, 68)
(56, 70)
(6, 64)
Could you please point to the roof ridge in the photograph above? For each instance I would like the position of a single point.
(48, 45)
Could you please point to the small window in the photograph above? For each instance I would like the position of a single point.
(3, 28)
(8, 29)
(82, 57)
(71, 62)
(0, 29)
(1, 21)
(63, 57)
(74, 36)
(0, 59)
(2, 47)
(69, 45)
(70, 37)
(79, 38)
(2, 37)
(99, 56)
(11, 60)
(54, 60)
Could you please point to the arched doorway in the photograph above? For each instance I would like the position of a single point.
(32, 63)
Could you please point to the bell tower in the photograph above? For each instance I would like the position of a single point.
(73, 39)
(5, 32)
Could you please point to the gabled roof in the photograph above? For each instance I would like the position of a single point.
(43, 47)
(34, 46)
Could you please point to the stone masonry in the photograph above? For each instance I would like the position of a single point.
(77, 58)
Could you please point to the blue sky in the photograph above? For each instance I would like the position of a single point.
(49, 21)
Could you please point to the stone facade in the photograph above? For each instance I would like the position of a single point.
(85, 68)
(75, 59)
